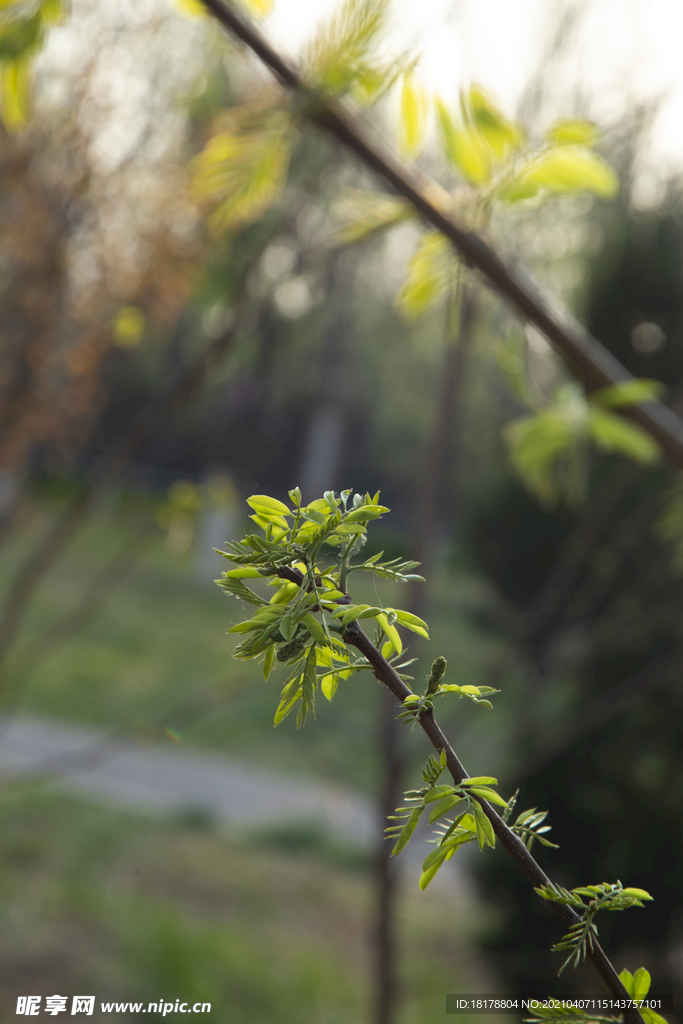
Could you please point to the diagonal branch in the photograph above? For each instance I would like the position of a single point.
(510, 842)
(387, 674)
(592, 363)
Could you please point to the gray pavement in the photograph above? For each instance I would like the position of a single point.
(162, 781)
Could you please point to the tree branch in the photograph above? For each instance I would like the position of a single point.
(592, 363)
(386, 674)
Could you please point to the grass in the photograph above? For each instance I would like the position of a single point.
(102, 903)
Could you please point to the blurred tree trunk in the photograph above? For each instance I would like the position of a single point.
(442, 455)
(441, 461)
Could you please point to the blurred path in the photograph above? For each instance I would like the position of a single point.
(172, 781)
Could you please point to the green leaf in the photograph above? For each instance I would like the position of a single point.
(258, 8)
(463, 147)
(365, 512)
(308, 688)
(413, 115)
(437, 792)
(431, 272)
(536, 443)
(501, 135)
(480, 780)
(628, 392)
(283, 594)
(614, 434)
(515, 190)
(265, 506)
(410, 621)
(291, 694)
(488, 794)
(191, 8)
(369, 214)
(349, 612)
(245, 572)
(269, 661)
(485, 833)
(338, 53)
(573, 133)
(639, 894)
(426, 876)
(391, 633)
(242, 170)
(641, 983)
(443, 806)
(565, 170)
(407, 830)
(650, 1017)
(15, 88)
(288, 626)
(314, 628)
(329, 685)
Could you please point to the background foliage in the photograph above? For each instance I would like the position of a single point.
(112, 281)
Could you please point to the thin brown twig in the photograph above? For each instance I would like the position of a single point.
(387, 674)
(513, 845)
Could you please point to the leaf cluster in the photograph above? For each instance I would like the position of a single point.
(307, 553)
(469, 822)
(549, 448)
(494, 162)
(561, 1012)
(605, 896)
(414, 705)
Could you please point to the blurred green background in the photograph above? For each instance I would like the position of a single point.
(111, 290)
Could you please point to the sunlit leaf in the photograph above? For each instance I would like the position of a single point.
(243, 169)
(369, 214)
(314, 628)
(391, 632)
(339, 50)
(500, 134)
(16, 87)
(570, 169)
(628, 392)
(265, 505)
(640, 894)
(485, 833)
(614, 434)
(20, 37)
(410, 621)
(463, 147)
(431, 272)
(536, 442)
(414, 104)
(573, 133)
(259, 8)
(407, 830)
(516, 190)
(329, 685)
(268, 661)
(191, 8)
(641, 983)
